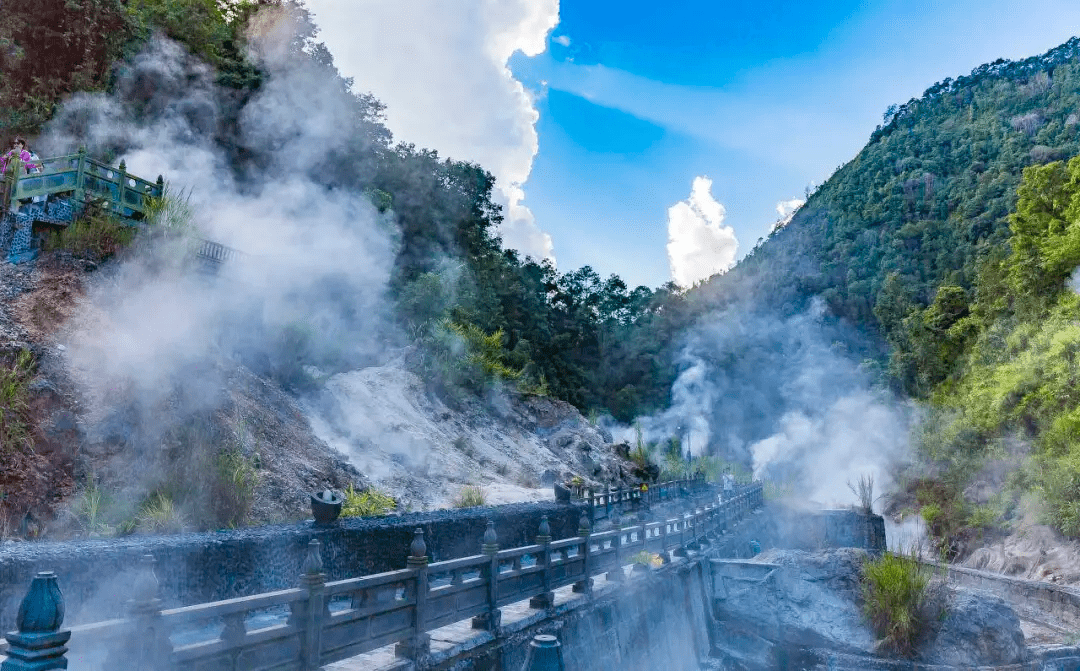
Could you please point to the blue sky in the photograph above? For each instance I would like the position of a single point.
(597, 117)
(637, 99)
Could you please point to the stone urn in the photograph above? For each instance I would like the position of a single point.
(326, 506)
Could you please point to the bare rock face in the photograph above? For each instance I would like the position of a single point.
(979, 629)
(412, 445)
(789, 604)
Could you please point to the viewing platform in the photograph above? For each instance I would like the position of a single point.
(58, 190)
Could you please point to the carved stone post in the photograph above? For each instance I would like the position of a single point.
(146, 642)
(316, 608)
(419, 642)
(489, 546)
(545, 599)
(584, 586)
(39, 644)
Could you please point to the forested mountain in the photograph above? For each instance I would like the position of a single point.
(917, 246)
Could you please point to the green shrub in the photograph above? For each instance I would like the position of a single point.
(96, 236)
(471, 496)
(368, 503)
(895, 591)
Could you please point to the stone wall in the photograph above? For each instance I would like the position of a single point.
(200, 567)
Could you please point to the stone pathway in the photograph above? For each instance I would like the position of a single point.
(454, 639)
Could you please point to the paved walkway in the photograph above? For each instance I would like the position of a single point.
(460, 637)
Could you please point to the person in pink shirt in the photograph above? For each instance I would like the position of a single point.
(18, 150)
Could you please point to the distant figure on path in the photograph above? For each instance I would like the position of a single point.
(729, 484)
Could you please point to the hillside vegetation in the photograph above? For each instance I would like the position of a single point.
(942, 253)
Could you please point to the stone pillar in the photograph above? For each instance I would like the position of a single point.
(316, 609)
(489, 546)
(80, 177)
(584, 586)
(616, 573)
(545, 599)
(545, 654)
(39, 644)
(419, 642)
(120, 191)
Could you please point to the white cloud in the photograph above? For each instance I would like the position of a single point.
(562, 39)
(699, 245)
(441, 68)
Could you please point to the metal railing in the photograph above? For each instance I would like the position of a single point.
(396, 607)
(84, 179)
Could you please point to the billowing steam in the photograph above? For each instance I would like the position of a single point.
(784, 397)
(699, 245)
(151, 340)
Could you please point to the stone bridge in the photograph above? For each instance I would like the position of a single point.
(322, 621)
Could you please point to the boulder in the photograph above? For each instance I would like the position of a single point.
(979, 629)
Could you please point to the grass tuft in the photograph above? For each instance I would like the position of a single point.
(896, 593)
(159, 514)
(14, 403)
(368, 503)
(97, 236)
(471, 496)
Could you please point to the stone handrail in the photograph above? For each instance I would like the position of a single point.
(124, 194)
(602, 502)
(373, 611)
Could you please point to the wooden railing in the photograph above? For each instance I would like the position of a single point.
(323, 622)
(84, 179)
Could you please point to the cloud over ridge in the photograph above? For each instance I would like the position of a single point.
(441, 69)
(699, 244)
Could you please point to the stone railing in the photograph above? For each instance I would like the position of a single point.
(320, 622)
(602, 502)
(84, 178)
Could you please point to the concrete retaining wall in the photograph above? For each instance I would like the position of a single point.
(1033, 600)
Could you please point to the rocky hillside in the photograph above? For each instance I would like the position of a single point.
(413, 445)
(98, 466)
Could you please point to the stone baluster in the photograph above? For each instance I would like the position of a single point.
(489, 546)
(545, 599)
(314, 610)
(39, 644)
(419, 642)
(584, 586)
(160, 186)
